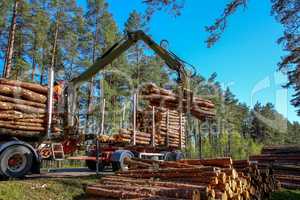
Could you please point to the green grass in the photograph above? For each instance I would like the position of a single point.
(73, 189)
(45, 189)
(286, 195)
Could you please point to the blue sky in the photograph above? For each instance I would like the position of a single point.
(245, 58)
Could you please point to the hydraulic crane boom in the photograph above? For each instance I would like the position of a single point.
(114, 52)
(117, 49)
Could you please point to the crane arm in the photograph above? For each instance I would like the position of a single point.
(110, 55)
(115, 51)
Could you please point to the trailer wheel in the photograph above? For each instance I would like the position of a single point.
(118, 160)
(92, 165)
(15, 161)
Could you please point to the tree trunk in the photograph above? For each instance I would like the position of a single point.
(54, 44)
(200, 139)
(33, 60)
(11, 41)
(89, 105)
(91, 84)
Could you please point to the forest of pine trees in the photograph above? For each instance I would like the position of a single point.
(38, 34)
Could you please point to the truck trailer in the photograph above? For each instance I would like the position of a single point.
(18, 156)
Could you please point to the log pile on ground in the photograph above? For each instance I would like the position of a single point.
(284, 161)
(262, 181)
(23, 112)
(187, 179)
(159, 97)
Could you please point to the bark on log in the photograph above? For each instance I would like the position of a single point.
(218, 162)
(20, 133)
(21, 93)
(151, 182)
(30, 86)
(29, 124)
(18, 114)
(22, 102)
(22, 108)
(281, 149)
(175, 170)
(32, 120)
(20, 127)
(110, 193)
(164, 164)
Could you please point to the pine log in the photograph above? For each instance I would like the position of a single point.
(18, 92)
(164, 164)
(20, 127)
(173, 172)
(30, 124)
(18, 114)
(111, 193)
(22, 108)
(195, 180)
(278, 158)
(151, 182)
(281, 149)
(20, 133)
(30, 86)
(32, 120)
(218, 162)
(22, 102)
(150, 191)
(136, 163)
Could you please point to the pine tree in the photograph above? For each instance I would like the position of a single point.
(136, 53)
(11, 41)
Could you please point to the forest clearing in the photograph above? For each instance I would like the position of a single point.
(107, 100)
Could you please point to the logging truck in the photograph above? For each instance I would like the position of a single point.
(19, 157)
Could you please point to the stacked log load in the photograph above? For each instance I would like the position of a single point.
(169, 130)
(284, 161)
(162, 123)
(187, 179)
(159, 97)
(23, 109)
(169, 126)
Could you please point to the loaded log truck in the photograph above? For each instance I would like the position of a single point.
(18, 157)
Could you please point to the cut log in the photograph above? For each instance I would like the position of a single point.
(30, 86)
(22, 102)
(111, 193)
(19, 133)
(30, 124)
(18, 92)
(20, 127)
(281, 149)
(17, 114)
(218, 162)
(20, 107)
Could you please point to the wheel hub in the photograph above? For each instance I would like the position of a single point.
(16, 162)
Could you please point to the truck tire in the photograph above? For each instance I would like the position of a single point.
(92, 165)
(15, 161)
(118, 160)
